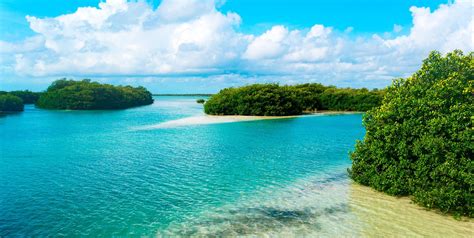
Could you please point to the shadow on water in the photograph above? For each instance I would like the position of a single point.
(293, 210)
(330, 207)
(256, 220)
(5, 114)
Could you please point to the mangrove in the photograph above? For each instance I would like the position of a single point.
(87, 95)
(418, 143)
(276, 100)
(11, 103)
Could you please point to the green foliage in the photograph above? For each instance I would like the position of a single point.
(275, 100)
(87, 95)
(419, 141)
(28, 97)
(201, 101)
(309, 95)
(257, 99)
(347, 99)
(10, 103)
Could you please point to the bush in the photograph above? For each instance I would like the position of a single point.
(87, 95)
(201, 101)
(275, 100)
(347, 99)
(10, 103)
(257, 99)
(28, 97)
(419, 141)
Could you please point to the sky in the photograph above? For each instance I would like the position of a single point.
(202, 46)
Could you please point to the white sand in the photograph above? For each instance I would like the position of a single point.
(204, 120)
(211, 119)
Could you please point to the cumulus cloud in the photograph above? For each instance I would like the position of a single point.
(119, 37)
(325, 53)
(268, 45)
(447, 28)
(193, 38)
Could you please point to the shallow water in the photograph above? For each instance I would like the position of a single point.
(381, 215)
(93, 173)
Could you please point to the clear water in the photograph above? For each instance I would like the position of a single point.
(92, 173)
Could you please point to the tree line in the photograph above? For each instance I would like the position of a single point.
(276, 100)
(14, 101)
(77, 95)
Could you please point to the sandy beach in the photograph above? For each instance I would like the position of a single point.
(389, 216)
(218, 119)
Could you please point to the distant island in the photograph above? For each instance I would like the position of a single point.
(14, 101)
(87, 95)
(184, 94)
(276, 100)
(10, 103)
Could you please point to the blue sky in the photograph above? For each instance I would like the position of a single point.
(202, 46)
(365, 16)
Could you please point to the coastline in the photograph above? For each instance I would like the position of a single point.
(316, 113)
(219, 119)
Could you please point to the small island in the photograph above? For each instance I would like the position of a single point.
(10, 103)
(27, 96)
(87, 95)
(276, 100)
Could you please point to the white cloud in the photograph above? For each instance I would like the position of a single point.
(268, 45)
(324, 53)
(447, 28)
(123, 37)
(184, 10)
(193, 38)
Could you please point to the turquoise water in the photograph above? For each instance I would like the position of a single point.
(92, 173)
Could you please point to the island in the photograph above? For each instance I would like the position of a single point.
(418, 139)
(276, 100)
(10, 103)
(419, 142)
(27, 96)
(87, 95)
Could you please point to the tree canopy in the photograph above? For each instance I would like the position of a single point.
(257, 99)
(419, 141)
(87, 95)
(276, 100)
(27, 96)
(11, 103)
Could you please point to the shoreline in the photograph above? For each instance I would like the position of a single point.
(317, 113)
(219, 119)
(405, 218)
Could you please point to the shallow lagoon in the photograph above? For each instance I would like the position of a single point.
(100, 173)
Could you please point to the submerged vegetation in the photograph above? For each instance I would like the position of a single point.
(276, 100)
(419, 141)
(87, 95)
(11, 103)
